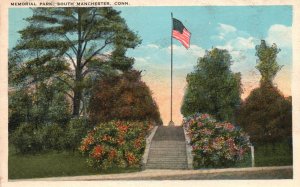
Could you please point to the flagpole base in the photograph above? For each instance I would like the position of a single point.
(171, 123)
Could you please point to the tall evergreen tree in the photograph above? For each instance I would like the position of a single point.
(71, 45)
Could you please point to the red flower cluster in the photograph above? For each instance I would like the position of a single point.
(229, 126)
(137, 143)
(131, 159)
(106, 138)
(123, 128)
(97, 152)
(121, 140)
(108, 144)
(86, 142)
(112, 154)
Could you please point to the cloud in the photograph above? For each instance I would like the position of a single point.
(154, 57)
(153, 46)
(281, 35)
(194, 50)
(243, 43)
(224, 30)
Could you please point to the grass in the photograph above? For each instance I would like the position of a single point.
(267, 155)
(281, 155)
(53, 164)
(244, 175)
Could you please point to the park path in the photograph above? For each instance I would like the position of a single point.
(168, 149)
(276, 172)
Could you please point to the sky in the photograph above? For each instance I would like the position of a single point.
(235, 28)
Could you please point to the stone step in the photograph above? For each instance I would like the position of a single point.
(168, 141)
(181, 156)
(166, 166)
(165, 154)
(167, 146)
(167, 149)
(170, 161)
(157, 149)
(173, 144)
(169, 133)
(161, 155)
(169, 158)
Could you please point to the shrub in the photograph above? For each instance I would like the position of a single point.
(116, 143)
(53, 137)
(76, 130)
(27, 139)
(215, 144)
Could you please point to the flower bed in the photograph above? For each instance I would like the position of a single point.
(116, 144)
(215, 144)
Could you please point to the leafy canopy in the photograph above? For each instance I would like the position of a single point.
(72, 45)
(266, 114)
(212, 87)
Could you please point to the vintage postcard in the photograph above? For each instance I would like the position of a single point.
(160, 93)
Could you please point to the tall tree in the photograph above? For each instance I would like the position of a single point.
(212, 87)
(73, 44)
(266, 114)
(266, 63)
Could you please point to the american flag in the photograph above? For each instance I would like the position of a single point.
(180, 33)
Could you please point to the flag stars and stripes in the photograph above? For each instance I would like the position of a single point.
(180, 33)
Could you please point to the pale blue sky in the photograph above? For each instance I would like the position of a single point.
(235, 28)
(153, 23)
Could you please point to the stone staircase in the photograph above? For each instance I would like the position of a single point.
(168, 149)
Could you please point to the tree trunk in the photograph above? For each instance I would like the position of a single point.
(78, 71)
(77, 92)
(76, 102)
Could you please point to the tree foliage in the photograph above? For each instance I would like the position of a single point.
(71, 45)
(123, 97)
(266, 114)
(266, 63)
(47, 104)
(212, 87)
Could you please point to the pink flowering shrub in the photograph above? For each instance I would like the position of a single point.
(215, 144)
(116, 144)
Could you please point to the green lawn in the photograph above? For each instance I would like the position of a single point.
(281, 155)
(265, 155)
(52, 164)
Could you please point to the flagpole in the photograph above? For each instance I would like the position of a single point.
(171, 123)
